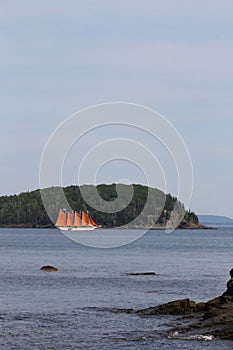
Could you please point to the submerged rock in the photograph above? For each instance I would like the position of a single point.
(49, 268)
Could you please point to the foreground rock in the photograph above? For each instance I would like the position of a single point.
(49, 268)
(177, 307)
(204, 320)
(215, 320)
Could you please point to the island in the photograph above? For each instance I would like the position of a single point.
(26, 210)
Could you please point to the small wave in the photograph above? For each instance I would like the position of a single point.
(177, 335)
(161, 292)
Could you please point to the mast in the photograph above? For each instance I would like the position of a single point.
(61, 220)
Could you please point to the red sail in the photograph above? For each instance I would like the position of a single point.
(69, 219)
(76, 219)
(61, 220)
(85, 219)
(92, 222)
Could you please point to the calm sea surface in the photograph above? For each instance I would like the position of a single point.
(71, 309)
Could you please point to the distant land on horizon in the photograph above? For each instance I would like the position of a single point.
(215, 220)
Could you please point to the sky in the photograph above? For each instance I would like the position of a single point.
(58, 57)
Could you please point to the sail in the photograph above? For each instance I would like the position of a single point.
(61, 220)
(92, 222)
(76, 219)
(69, 219)
(85, 219)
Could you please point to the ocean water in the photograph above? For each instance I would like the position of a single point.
(72, 308)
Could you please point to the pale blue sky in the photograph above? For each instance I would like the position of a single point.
(174, 56)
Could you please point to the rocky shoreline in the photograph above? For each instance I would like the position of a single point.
(182, 226)
(211, 319)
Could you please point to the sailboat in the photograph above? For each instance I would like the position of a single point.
(73, 221)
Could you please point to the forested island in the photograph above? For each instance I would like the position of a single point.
(27, 209)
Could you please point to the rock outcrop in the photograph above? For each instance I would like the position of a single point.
(177, 307)
(205, 319)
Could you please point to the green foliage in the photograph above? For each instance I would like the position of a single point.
(190, 216)
(27, 210)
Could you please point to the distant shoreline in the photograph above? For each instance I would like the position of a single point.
(182, 226)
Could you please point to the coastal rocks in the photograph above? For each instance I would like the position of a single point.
(141, 274)
(229, 291)
(216, 320)
(212, 319)
(184, 225)
(177, 307)
(49, 268)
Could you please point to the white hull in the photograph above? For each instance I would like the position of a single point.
(80, 228)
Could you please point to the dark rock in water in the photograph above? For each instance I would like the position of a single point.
(49, 268)
(141, 274)
(125, 311)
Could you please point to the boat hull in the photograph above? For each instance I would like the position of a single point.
(80, 228)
